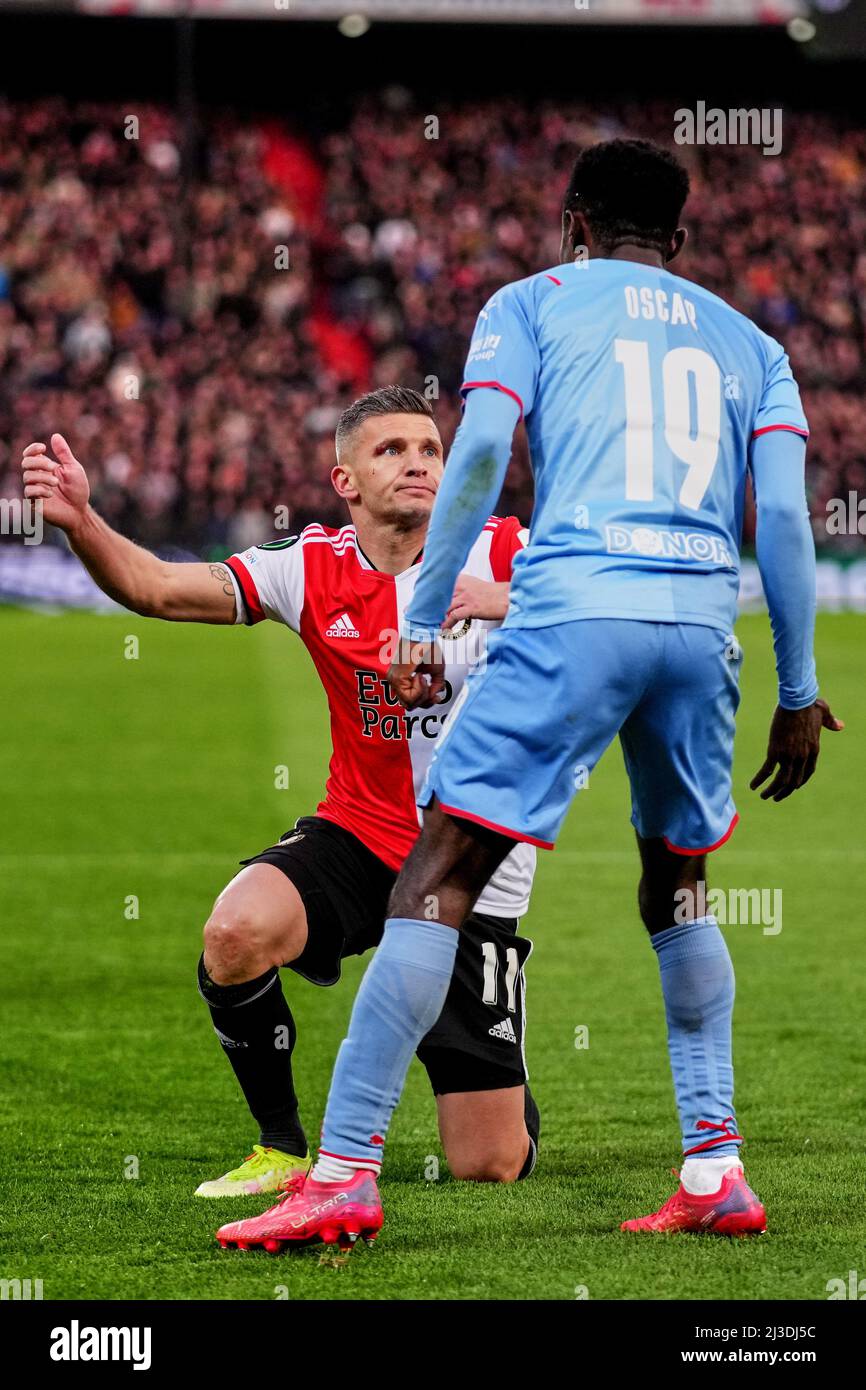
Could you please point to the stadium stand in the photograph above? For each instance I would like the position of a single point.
(194, 321)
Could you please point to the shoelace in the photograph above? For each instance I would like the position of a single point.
(257, 1158)
(290, 1187)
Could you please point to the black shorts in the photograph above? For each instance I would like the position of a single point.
(477, 1043)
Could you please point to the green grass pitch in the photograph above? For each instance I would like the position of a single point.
(151, 777)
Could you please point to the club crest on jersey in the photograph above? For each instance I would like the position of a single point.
(459, 630)
(343, 627)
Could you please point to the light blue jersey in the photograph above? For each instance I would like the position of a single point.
(641, 394)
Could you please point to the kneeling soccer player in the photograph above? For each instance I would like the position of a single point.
(321, 892)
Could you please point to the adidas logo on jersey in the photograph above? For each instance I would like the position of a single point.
(343, 627)
(503, 1030)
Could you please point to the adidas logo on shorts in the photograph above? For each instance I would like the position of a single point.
(503, 1030)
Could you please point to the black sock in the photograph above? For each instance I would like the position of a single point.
(255, 1027)
(532, 1120)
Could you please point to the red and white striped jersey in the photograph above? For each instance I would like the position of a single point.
(347, 613)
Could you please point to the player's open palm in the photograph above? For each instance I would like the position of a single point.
(60, 483)
(793, 747)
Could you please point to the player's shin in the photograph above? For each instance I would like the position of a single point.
(257, 1032)
(400, 998)
(697, 980)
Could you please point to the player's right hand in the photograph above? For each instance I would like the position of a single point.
(60, 483)
(417, 675)
(795, 739)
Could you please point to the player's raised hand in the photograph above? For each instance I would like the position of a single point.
(60, 483)
(417, 675)
(793, 747)
(477, 598)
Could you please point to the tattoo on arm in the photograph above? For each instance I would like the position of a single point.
(221, 574)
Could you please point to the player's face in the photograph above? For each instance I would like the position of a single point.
(394, 468)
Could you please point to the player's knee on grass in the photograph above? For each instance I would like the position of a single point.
(494, 1165)
(484, 1134)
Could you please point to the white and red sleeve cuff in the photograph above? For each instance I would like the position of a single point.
(247, 599)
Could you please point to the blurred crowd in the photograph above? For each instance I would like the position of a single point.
(193, 308)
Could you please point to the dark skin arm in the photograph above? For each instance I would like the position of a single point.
(417, 673)
(793, 747)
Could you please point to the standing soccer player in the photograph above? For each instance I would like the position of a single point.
(647, 402)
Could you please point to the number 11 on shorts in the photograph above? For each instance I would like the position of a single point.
(491, 975)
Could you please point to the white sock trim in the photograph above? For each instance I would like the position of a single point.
(329, 1168)
(703, 1176)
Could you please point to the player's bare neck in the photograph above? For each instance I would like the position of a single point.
(644, 255)
(390, 548)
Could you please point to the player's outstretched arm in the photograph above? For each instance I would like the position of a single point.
(786, 559)
(471, 483)
(155, 588)
(473, 477)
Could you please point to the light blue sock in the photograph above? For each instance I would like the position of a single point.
(698, 987)
(400, 998)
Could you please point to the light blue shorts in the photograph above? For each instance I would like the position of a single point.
(531, 726)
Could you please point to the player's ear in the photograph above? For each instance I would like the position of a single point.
(566, 242)
(678, 241)
(582, 242)
(343, 483)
